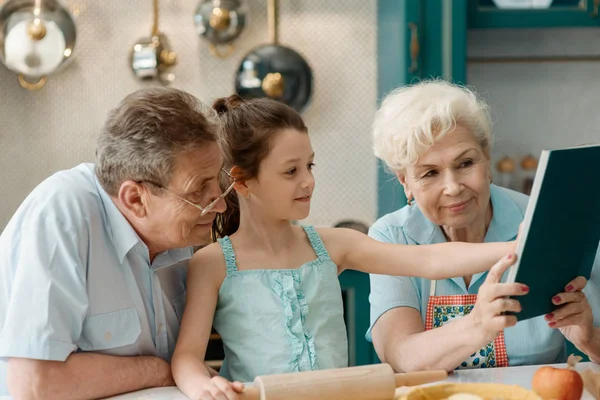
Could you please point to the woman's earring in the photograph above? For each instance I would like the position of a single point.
(409, 202)
(247, 195)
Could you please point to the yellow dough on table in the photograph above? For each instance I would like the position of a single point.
(470, 391)
(464, 396)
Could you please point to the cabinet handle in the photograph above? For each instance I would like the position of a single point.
(414, 47)
(594, 12)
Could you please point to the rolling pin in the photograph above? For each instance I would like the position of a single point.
(373, 382)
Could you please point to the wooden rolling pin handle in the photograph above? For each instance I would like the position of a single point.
(420, 377)
(250, 393)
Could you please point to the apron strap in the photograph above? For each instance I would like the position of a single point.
(432, 289)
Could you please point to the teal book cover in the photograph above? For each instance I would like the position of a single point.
(561, 228)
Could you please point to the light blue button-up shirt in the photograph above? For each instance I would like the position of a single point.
(75, 276)
(530, 341)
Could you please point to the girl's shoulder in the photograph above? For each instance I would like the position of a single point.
(337, 241)
(208, 261)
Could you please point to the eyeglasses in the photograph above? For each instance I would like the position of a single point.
(204, 210)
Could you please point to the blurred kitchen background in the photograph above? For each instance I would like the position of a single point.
(535, 61)
(56, 127)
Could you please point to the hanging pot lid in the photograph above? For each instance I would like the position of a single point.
(220, 22)
(36, 38)
(275, 71)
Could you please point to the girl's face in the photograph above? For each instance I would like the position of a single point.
(284, 186)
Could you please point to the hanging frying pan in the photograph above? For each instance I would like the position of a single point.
(220, 22)
(36, 38)
(152, 57)
(275, 71)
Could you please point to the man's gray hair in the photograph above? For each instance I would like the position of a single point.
(144, 133)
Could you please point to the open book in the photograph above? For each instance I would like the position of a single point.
(561, 229)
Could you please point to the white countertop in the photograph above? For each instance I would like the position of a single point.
(511, 375)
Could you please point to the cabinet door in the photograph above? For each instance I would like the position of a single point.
(416, 39)
(398, 25)
(559, 13)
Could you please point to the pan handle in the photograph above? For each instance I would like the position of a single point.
(221, 51)
(273, 14)
(32, 86)
(154, 31)
(420, 377)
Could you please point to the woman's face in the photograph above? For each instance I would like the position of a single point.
(450, 182)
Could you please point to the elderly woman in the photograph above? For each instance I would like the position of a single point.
(436, 138)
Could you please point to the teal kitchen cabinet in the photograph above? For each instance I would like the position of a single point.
(416, 39)
(559, 13)
(355, 294)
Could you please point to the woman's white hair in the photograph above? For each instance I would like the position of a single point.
(412, 118)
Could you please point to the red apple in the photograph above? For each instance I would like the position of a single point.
(552, 383)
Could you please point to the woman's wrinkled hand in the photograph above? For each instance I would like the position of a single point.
(488, 315)
(574, 316)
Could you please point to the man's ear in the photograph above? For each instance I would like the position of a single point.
(134, 197)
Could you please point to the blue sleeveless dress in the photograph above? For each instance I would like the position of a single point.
(276, 321)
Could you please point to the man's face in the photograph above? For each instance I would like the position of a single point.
(173, 223)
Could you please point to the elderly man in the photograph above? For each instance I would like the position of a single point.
(93, 263)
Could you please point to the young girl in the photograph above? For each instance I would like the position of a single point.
(271, 287)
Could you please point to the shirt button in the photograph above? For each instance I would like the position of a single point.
(160, 327)
(108, 336)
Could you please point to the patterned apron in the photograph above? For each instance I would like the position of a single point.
(443, 309)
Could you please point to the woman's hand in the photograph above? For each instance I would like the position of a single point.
(492, 302)
(574, 316)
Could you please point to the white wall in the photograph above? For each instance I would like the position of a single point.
(56, 128)
(536, 106)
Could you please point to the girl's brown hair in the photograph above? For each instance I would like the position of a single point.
(247, 128)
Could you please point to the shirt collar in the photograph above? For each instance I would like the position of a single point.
(506, 219)
(125, 238)
(504, 225)
(122, 234)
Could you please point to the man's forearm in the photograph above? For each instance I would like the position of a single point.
(85, 376)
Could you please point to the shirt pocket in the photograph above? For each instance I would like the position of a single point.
(110, 330)
(179, 304)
